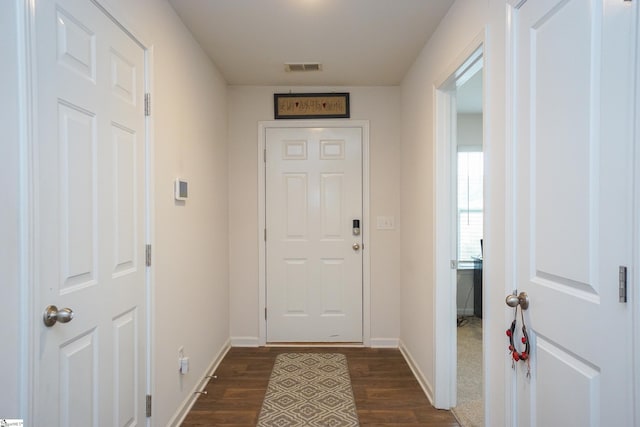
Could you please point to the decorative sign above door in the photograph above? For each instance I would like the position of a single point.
(311, 105)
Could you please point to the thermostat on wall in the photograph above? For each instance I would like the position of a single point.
(181, 189)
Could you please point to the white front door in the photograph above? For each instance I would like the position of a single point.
(573, 207)
(90, 218)
(313, 256)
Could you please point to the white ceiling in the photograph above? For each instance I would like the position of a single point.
(358, 42)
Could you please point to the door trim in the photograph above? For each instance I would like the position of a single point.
(29, 252)
(366, 257)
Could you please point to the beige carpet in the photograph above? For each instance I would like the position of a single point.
(309, 389)
(469, 411)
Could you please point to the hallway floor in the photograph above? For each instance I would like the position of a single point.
(385, 390)
(469, 410)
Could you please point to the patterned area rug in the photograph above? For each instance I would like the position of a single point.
(309, 389)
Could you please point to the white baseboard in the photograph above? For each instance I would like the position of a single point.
(384, 342)
(245, 342)
(426, 387)
(374, 343)
(186, 406)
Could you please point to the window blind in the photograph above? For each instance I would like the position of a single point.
(470, 206)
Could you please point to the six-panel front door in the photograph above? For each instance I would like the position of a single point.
(313, 254)
(90, 218)
(573, 211)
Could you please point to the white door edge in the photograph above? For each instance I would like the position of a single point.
(445, 352)
(366, 259)
(510, 390)
(635, 278)
(28, 101)
(150, 223)
(28, 208)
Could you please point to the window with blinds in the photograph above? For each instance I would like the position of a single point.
(470, 207)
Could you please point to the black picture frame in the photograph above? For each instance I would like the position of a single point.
(311, 105)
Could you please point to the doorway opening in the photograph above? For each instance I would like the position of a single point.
(459, 101)
(313, 218)
(469, 200)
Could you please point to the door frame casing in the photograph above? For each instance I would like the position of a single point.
(445, 277)
(366, 257)
(29, 252)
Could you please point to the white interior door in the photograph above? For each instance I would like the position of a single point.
(313, 269)
(573, 211)
(90, 218)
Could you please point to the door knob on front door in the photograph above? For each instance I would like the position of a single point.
(52, 315)
(356, 247)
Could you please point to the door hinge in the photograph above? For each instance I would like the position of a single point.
(147, 255)
(265, 234)
(622, 284)
(454, 264)
(147, 104)
(148, 405)
(264, 156)
(265, 313)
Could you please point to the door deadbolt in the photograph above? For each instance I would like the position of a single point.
(356, 227)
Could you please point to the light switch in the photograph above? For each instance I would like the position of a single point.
(385, 223)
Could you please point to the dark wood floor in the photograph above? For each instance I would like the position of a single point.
(385, 390)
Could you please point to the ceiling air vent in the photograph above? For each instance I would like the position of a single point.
(308, 66)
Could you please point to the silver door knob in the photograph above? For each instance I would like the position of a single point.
(356, 246)
(52, 315)
(522, 299)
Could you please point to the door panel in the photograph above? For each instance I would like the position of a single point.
(573, 213)
(90, 218)
(331, 209)
(571, 377)
(77, 148)
(314, 276)
(126, 368)
(124, 201)
(78, 388)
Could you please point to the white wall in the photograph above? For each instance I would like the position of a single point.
(9, 216)
(469, 132)
(190, 248)
(464, 22)
(250, 104)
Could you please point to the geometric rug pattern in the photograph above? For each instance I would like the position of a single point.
(309, 389)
